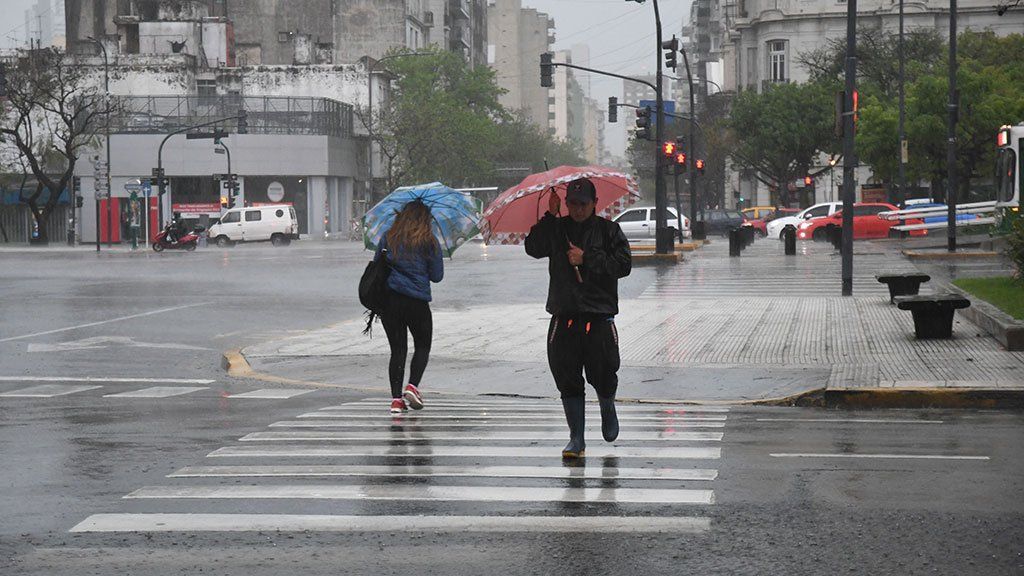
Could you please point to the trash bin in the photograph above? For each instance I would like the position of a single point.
(735, 242)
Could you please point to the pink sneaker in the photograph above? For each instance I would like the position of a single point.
(413, 397)
(398, 406)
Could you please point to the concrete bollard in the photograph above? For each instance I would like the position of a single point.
(789, 238)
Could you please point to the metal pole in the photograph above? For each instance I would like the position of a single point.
(951, 133)
(662, 243)
(106, 103)
(691, 174)
(849, 152)
(679, 208)
(369, 128)
(901, 193)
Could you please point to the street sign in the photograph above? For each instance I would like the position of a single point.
(669, 108)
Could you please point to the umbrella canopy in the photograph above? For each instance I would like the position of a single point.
(508, 219)
(456, 214)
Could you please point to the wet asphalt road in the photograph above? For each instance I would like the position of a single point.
(884, 492)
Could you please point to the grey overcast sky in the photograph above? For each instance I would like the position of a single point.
(620, 34)
(622, 39)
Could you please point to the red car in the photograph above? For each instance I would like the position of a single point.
(761, 224)
(866, 223)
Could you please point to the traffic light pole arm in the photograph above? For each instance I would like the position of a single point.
(603, 73)
(160, 160)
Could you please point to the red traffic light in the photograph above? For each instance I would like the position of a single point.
(668, 148)
(698, 164)
(681, 158)
(808, 181)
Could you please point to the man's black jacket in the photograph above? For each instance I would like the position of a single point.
(606, 258)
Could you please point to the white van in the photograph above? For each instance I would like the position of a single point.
(276, 222)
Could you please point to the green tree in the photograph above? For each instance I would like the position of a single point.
(51, 112)
(778, 133)
(991, 70)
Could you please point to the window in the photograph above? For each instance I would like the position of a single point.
(230, 218)
(869, 210)
(751, 67)
(816, 212)
(777, 61)
(633, 216)
(253, 215)
(284, 37)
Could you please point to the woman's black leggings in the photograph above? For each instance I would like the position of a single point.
(401, 316)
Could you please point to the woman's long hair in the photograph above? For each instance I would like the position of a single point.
(412, 231)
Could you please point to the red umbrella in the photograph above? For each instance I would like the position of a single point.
(508, 219)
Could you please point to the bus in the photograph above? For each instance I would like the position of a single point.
(1009, 168)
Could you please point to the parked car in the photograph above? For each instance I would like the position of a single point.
(776, 225)
(760, 224)
(719, 222)
(638, 223)
(866, 223)
(276, 223)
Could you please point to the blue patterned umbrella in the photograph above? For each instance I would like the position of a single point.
(456, 214)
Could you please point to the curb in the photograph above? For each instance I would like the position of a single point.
(236, 365)
(918, 255)
(652, 258)
(1004, 328)
(909, 398)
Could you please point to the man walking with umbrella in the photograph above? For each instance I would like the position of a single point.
(586, 256)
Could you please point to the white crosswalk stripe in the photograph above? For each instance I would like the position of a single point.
(271, 394)
(496, 453)
(158, 392)
(47, 391)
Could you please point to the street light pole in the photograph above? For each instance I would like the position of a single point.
(901, 193)
(951, 134)
(106, 103)
(691, 175)
(662, 243)
(849, 152)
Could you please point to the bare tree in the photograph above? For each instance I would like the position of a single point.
(51, 113)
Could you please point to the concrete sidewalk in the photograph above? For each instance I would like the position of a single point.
(762, 327)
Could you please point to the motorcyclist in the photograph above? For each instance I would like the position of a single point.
(175, 230)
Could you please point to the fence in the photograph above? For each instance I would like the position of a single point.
(17, 224)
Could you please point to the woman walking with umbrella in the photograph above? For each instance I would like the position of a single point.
(414, 255)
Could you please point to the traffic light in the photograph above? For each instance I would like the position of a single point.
(243, 121)
(808, 181)
(671, 48)
(613, 110)
(546, 68)
(643, 123)
(699, 165)
(681, 158)
(668, 149)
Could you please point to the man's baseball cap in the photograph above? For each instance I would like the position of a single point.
(581, 190)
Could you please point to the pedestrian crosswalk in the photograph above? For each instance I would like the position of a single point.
(424, 470)
(152, 392)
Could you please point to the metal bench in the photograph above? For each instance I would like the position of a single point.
(933, 315)
(903, 284)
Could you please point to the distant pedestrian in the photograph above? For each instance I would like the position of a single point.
(586, 256)
(414, 256)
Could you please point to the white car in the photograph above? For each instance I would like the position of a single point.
(276, 223)
(776, 226)
(638, 223)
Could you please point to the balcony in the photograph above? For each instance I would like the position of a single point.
(266, 115)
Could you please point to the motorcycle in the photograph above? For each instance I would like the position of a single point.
(188, 241)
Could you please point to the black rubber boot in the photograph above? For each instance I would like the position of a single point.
(575, 416)
(609, 421)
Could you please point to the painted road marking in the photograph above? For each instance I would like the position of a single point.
(428, 524)
(158, 392)
(393, 435)
(47, 391)
(104, 379)
(589, 472)
(431, 493)
(412, 417)
(885, 456)
(545, 404)
(456, 451)
(272, 393)
(550, 407)
(101, 322)
(495, 425)
(851, 420)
